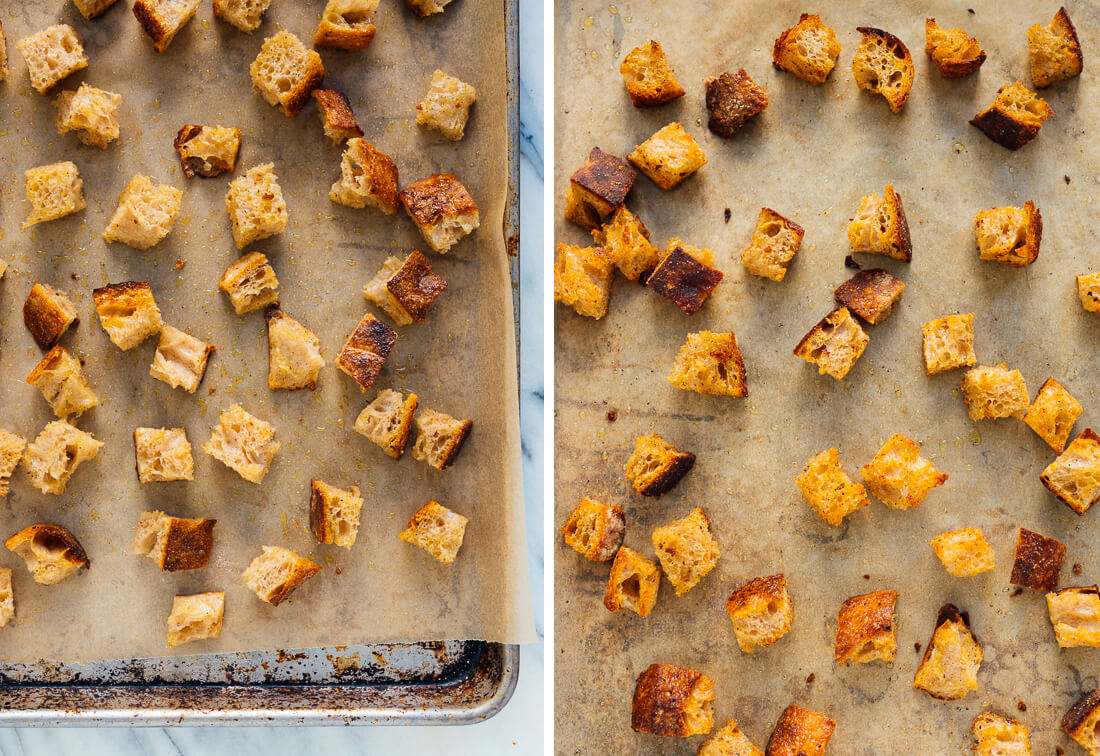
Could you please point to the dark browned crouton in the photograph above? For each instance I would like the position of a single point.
(598, 188)
(48, 313)
(1038, 561)
(1014, 118)
(1082, 722)
(672, 701)
(872, 294)
(366, 350)
(732, 99)
(685, 280)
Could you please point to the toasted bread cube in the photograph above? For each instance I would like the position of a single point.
(54, 191)
(425, 8)
(1038, 561)
(387, 421)
(256, 205)
(174, 543)
(50, 552)
(59, 377)
(672, 701)
(128, 312)
(366, 351)
(162, 19)
(1075, 615)
(207, 151)
(728, 741)
(1074, 477)
(883, 65)
(598, 188)
(1053, 414)
(949, 669)
(761, 612)
(948, 343)
(834, 344)
(337, 118)
(293, 352)
(732, 99)
(250, 283)
(442, 209)
(625, 239)
(865, 629)
(899, 476)
(437, 530)
(48, 313)
(334, 513)
(93, 8)
(180, 359)
(52, 458)
(800, 732)
(1014, 118)
(964, 553)
(684, 279)
(995, 735)
(774, 243)
(992, 392)
(347, 24)
(367, 177)
(1009, 235)
(90, 112)
(633, 583)
(1088, 289)
(687, 550)
(195, 617)
(595, 530)
(582, 279)
(648, 76)
(243, 443)
(246, 15)
(668, 157)
(286, 72)
(7, 597)
(880, 226)
(656, 466)
(145, 215)
(954, 52)
(1055, 51)
(872, 294)
(439, 438)
(52, 54)
(828, 489)
(710, 363)
(446, 107)
(278, 572)
(11, 452)
(163, 454)
(1082, 722)
(808, 50)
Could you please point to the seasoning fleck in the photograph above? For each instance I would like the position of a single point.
(612, 415)
(728, 215)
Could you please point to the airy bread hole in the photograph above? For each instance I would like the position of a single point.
(631, 590)
(771, 229)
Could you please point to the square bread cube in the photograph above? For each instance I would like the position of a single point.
(595, 530)
(54, 191)
(367, 177)
(439, 438)
(668, 157)
(163, 454)
(293, 352)
(648, 76)
(162, 19)
(1054, 50)
(52, 54)
(127, 312)
(242, 442)
(633, 583)
(1053, 414)
(1088, 289)
(91, 112)
(207, 151)
(180, 359)
(93, 8)
(48, 313)
(899, 476)
(761, 612)
(1009, 235)
(7, 597)
(53, 456)
(1074, 477)
(834, 344)
(1014, 118)
(828, 489)
(174, 543)
(446, 107)
(11, 452)
(800, 732)
(334, 513)
(683, 278)
(598, 188)
(1075, 616)
(195, 617)
(995, 735)
(949, 668)
(993, 392)
(250, 283)
(437, 530)
(405, 290)
(50, 552)
(883, 65)
(278, 572)
(347, 24)
(1038, 561)
(880, 227)
(948, 343)
(256, 206)
(60, 379)
(673, 702)
(964, 553)
(246, 15)
(442, 209)
(366, 351)
(732, 100)
(582, 279)
(954, 52)
(865, 629)
(687, 550)
(656, 466)
(337, 118)
(775, 240)
(808, 50)
(871, 294)
(286, 72)
(710, 363)
(1082, 722)
(625, 240)
(145, 215)
(387, 420)
(728, 741)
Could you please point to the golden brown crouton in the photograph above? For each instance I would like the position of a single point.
(648, 76)
(93, 8)
(732, 99)
(60, 379)
(162, 19)
(250, 283)
(883, 65)
(1038, 561)
(442, 209)
(425, 8)
(437, 530)
(347, 24)
(1055, 51)
(180, 359)
(338, 120)
(800, 732)
(127, 312)
(11, 452)
(992, 392)
(50, 552)
(145, 215)
(1009, 235)
(54, 191)
(439, 438)
(1075, 615)
(207, 151)
(48, 313)
(633, 583)
(995, 735)
(1053, 414)
(334, 513)
(683, 278)
(582, 279)
(865, 629)
(387, 420)
(293, 352)
(242, 442)
(595, 530)
(687, 550)
(163, 454)
(195, 617)
(366, 351)
(761, 612)
(672, 701)
(954, 52)
(446, 107)
(710, 363)
(872, 294)
(668, 157)
(949, 669)
(625, 240)
(1074, 477)
(1014, 118)
(286, 72)
(899, 476)
(53, 456)
(834, 344)
(964, 553)
(174, 543)
(256, 206)
(1082, 722)
(278, 572)
(656, 465)
(828, 489)
(7, 597)
(1088, 289)
(91, 113)
(774, 242)
(52, 54)
(405, 290)
(728, 741)
(948, 343)
(808, 50)
(598, 188)
(880, 226)
(246, 15)
(368, 176)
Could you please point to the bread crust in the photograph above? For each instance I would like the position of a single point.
(73, 553)
(1007, 130)
(1078, 504)
(787, 57)
(606, 176)
(1038, 561)
(430, 199)
(684, 280)
(366, 350)
(947, 613)
(662, 693)
(800, 732)
(1079, 714)
(675, 464)
(866, 619)
(194, 165)
(951, 67)
(415, 286)
(337, 113)
(47, 313)
(732, 99)
(595, 530)
(872, 294)
(657, 88)
(896, 99)
(629, 563)
(187, 544)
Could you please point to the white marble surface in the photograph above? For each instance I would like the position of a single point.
(519, 728)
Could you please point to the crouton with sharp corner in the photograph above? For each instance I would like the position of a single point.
(834, 344)
(11, 452)
(1088, 289)
(163, 455)
(668, 157)
(673, 702)
(145, 215)
(53, 456)
(50, 552)
(195, 617)
(800, 732)
(598, 188)
(625, 239)
(995, 735)
(865, 629)
(1075, 616)
(180, 359)
(1014, 118)
(93, 8)
(687, 550)
(387, 420)
(808, 50)
(648, 76)
(256, 206)
(993, 392)
(278, 572)
(293, 352)
(582, 279)
(437, 530)
(174, 543)
(948, 343)
(871, 294)
(1074, 477)
(656, 466)
(595, 530)
(828, 489)
(425, 8)
(728, 741)
(7, 597)
(337, 118)
(683, 279)
(128, 312)
(242, 442)
(1009, 235)
(633, 583)
(90, 112)
(54, 191)
(1053, 414)
(446, 107)
(347, 24)
(439, 438)
(207, 151)
(775, 240)
(286, 72)
(732, 99)
(368, 176)
(761, 612)
(52, 54)
(710, 363)
(442, 209)
(964, 553)
(246, 15)
(954, 52)
(880, 226)
(250, 283)
(949, 668)
(883, 65)
(899, 476)
(60, 379)
(163, 19)
(1038, 561)
(334, 513)
(1082, 722)
(1055, 51)
(48, 312)
(366, 351)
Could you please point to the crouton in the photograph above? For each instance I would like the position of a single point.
(1082, 722)
(53, 456)
(828, 489)
(195, 617)
(366, 351)
(648, 76)
(207, 151)
(446, 106)
(949, 668)
(1053, 414)
(685, 280)
(948, 343)
(899, 476)
(672, 701)
(48, 313)
(625, 240)
(286, 72)
(834, 344)
(1055, 51)
(405, 290)
(180, 359)
(732, 99)
(162, 19)
(174, 543)
(256, 206)
(1074, 477)
(334, 513)
(1088, 289)
(250, 283)
(954, 52)
(93, 8)
(437, 530)
(728, 741)
(52, 54)
(800, 732)
(442, 209)
(633, 583)
(278, 572)
(54, 191)
(59, 377)
(163, 454)
(1075, 616)
(7, 597)
(90, 112)
(293, 352)
(656, 466)
(347, 24)
(1038, 561)
(761, 612)
(11, 452)
(865, 629)
(127, 312)
(598, 188)
(387, 420)
(337, 118)
(995, 735)
(595, 530)
(1014, 118)
(145, 215)
(425, 8)
(992, 392)
(775, 240)
(439, 438)
(367, 177)
(1009, 235)
(883, 65)
(808, 50)
(243, 443)
(246, 15)
(710, 363)
(872, 294)
(50, 552)
(964, 553)
(687, 550)
(582, 279)
(880, 226)
(668, 157)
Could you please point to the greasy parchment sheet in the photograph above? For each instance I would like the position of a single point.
(461, 361)
(811, 155)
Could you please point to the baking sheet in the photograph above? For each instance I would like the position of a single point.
(460, 361)
(811, 156)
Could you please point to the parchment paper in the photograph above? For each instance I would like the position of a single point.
(460, 361)
(811, 155)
